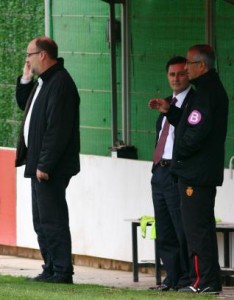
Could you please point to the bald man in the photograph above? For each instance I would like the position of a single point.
(49, 148)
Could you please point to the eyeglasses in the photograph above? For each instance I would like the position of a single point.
(193, 62)
(32, 53)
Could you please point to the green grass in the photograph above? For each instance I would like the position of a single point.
(14, 288)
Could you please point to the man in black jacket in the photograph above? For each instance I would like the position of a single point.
(171, 240)
(49, 147)
(198, 163)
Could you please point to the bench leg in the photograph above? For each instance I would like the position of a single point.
(134, 252)
(226, 256)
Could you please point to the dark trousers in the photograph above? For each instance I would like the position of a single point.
(171, 241)
(199, 223)
(51, 223)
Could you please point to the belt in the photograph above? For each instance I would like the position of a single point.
(165, 162)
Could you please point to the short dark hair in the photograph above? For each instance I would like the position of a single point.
(48, 45)
(206, 53)
(175, 60)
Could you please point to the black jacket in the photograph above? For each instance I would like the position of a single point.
(198, 157)
(161, 116)
(54, 138)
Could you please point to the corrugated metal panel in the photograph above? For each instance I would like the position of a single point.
(224, 28)
(79, 27)
(158, 30)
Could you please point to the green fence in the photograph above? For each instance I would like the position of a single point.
(158, 30)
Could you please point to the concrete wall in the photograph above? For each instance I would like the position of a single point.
(106, 193)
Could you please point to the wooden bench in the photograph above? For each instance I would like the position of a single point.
(226, 270)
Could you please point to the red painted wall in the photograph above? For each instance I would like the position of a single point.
(7, 197)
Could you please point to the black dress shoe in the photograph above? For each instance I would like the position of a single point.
(160, 288)
(40, 277)
(177, 287)
(59, 278)
(188, 289)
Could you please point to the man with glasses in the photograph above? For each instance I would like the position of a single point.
(49, 147)
(198, 163)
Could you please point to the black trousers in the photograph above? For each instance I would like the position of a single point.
(199, 223)
(171, 240)
(51, 223)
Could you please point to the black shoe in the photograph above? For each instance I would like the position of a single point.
(40, 277)
(188, 289)
(59, 278)
(160, 288)
(178, 287)
(209, 290)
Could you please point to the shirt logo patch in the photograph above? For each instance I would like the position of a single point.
(189, 191)
(195, 117)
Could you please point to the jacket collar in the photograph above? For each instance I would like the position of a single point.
(204, 78)
(52, 70)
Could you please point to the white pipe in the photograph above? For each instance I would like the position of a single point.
(230, 167)
(47, 18)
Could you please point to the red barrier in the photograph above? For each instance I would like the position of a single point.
(7, 197)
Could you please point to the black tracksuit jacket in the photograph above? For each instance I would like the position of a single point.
(198, 157)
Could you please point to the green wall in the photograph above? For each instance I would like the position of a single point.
(20, 21)
(79, 29)
(225, 54)
(158, 30)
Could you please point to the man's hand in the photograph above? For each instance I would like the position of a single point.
(41, 176)
(27, 73)
(160, 104)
